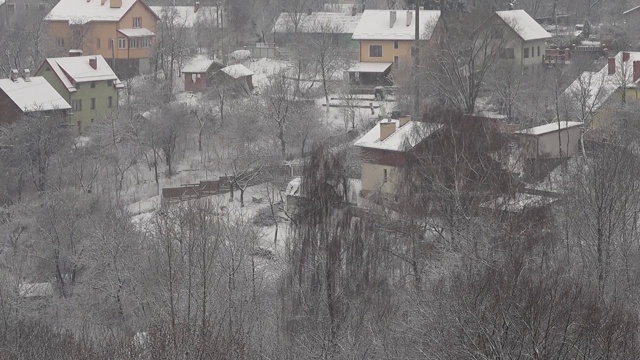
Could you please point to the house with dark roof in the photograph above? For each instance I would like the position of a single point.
(23, 94)
(87, 83)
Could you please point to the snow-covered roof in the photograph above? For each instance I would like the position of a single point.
(240, 55)
(82, 12)
(369, 67)
(237, 71)
(317, 22)
(402, 139)
(186, 15)
(518, 202)
(631, 10)
(2, 2)
(34, 95)
(524, 25)
(293, 187)
(76, 69)
(592, 89)
(375, 25)
(133, 33)
(548, 128)
(27, 290)
(198, 64)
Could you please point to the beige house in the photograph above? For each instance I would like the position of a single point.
(544, 142)
(527, 42)
(386, 150)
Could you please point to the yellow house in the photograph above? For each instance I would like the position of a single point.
(386, 37)
(594, 97)
(119, 30)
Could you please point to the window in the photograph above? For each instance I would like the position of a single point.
(92, 121)
(385, 175)
(110, 102)
(109, 83)
(396, 61)
(77, 86)
(11, 8)
(98, 44)
(533, 53)
(538, 51)
(375, 51)
(506, 53)
(137, 22)
(395, 44)
(93, 103)
(133, 43)
(526, 52)
(60, 42)
(93, 84)
(47, 69)
(122, 43)
(76, 105)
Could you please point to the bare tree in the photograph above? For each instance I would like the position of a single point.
(31, 142)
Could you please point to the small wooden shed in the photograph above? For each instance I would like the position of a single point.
(197, 72)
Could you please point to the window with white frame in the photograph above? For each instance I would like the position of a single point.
(122, 43)
(137, 22)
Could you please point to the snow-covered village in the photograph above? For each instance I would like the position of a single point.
(319, 179)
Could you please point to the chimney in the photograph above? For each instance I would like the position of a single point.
(26, 75)
(409, 17)
(636, 70)
(625, 56)
(196, 7)
(115, 3)
(93, 61)
(354, 10)
(392, 18)
(14, 75)
(75, 52)
(404, 120)
(387, 128)
(612, 65)
(102, 2)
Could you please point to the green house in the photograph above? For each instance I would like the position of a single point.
(87, 83)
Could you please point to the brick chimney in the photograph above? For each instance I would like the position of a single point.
(93, 62)
(75, 52)
(392, 18)
(13, 75)
(102, 2)
(26, 75)
(196, 7)
(611, 62)
(636, 70)
(115, 3)
(625, 56)
(404, 120)
(409, 17)
(387, 128)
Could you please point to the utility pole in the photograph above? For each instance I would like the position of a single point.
(416, 64)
